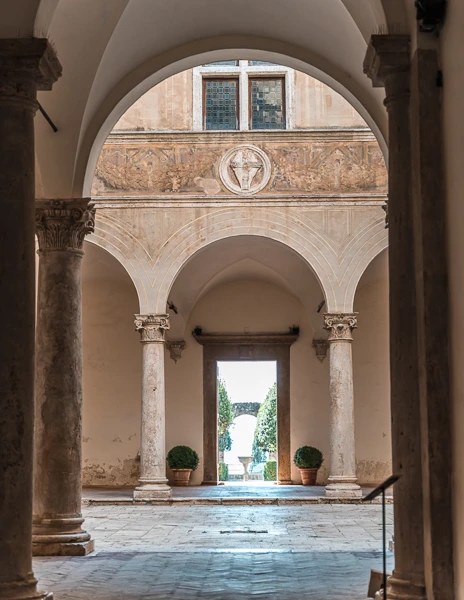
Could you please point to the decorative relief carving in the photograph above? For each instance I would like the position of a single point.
(340, 326)
(245, 169)
(321, 347)
(198, 165)
(175, 349)
(63, 224)
(151, 327)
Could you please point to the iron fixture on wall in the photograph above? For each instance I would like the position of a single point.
(431, 15)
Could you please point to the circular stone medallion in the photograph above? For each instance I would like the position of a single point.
(245, 170)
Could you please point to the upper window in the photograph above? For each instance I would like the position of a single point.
(223, 63)
(220, 104)
(256, 63)
(267, 107)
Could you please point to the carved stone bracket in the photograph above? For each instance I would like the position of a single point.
(340, 326)
(175, 349)
(320, 346)
(63, 224)
(152, 327)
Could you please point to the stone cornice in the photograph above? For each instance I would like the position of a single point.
(248, 339)
(226, 137)
(152, 328)
(340, 326)
(229, 200)
(63, 224)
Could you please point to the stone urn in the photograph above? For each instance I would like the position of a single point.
(308, 476)
(181, 476)
(246, 461)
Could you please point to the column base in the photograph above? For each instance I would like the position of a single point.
(153, 491)
(60, 537)
(284, 482)
(399, 587)
(343, 487)
(23, 590)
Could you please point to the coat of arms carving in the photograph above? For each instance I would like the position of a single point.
(245, 169)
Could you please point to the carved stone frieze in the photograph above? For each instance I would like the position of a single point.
(152, 327)
(201, 164)
(63, 224)
(175, 348)
(340, 326)
(320, 346)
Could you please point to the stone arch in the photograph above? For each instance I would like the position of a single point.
(366, 101)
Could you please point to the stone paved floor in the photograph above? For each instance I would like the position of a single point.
(317, 552)
(255, 492)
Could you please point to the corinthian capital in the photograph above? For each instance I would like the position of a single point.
(63, 224)
(151, 327)
(340, 326)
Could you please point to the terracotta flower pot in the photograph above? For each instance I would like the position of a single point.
(181, 476)
(308, 476)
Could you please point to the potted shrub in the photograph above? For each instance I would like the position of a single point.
(182, 460)
(308, 459)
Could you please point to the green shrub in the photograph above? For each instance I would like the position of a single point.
(308, 457)
(223, 472)
(270, 470)
(182, 457)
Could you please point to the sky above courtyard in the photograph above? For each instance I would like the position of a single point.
(245, 381)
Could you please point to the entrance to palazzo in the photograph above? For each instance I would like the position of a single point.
(220, 351)
(247, 422)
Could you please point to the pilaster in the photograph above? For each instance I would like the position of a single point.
(387, 63)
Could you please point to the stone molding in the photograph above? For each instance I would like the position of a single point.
(340, 326)
(248, 339)
(26, 65)
(320, 346)
(175, 347)
(152, 328)
(63, 224)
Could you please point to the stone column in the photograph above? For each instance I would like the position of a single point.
(61, 226)
(153, 483)
(387, 63)
(26, 65)
(342, 478)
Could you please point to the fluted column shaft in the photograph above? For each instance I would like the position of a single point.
(342, 477)
(153, 483)
(26, 65)
(57, 524)
(387, 64)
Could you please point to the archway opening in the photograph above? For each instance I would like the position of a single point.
(247, 421)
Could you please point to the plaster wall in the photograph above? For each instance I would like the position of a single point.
(169, 106)
(112, 372)
(166, 107)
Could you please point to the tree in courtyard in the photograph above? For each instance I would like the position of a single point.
(226, 417)
(265, 439)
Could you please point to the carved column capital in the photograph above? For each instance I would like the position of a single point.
(152, 328)
(386, 55)
(26, 65)
(63, 224)
(340, 326)
(175, 348)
